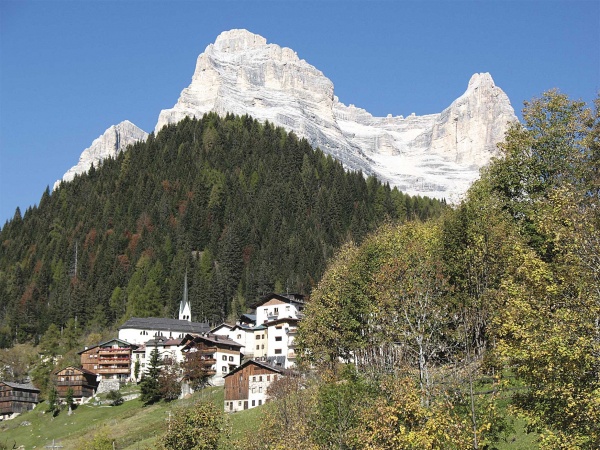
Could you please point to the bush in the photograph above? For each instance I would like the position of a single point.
(115, 397)
(198, 427)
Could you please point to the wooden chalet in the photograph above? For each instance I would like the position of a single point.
(110, 359)
(83, 382)
(246, 386)
(17, 398)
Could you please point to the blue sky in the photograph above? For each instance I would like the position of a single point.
(71, 69)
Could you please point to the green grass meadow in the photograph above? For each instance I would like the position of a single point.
(131, 425)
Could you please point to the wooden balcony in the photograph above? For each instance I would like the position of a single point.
(109, 359)
(207, 351)
(113, 351)
(113, 370)
(208, 361)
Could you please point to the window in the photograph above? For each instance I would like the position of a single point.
(239, 336)
(268, 377)
(278, 338)
(258, 347)
(262, 346)
(260, 378)
(275, 310)
(224, 369)
(253, 402)
(258, 336)
(224, 358)
(253, 378)
(260, 389)
(278, 327)
(259, 402)
(231, 358)
(278, 351)
(239, 403)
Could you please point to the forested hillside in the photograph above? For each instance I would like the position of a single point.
(244, 208)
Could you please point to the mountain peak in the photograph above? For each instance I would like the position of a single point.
(481, 79)
(238, 39)
(438, 155)
(113, 141)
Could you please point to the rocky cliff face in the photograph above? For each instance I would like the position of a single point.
(437, 155)
(110, 144)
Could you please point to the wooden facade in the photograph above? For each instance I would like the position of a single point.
(110, 360)
(83, 382)
(17, 398)
(246, 386)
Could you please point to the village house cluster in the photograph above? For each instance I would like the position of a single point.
(245, 357)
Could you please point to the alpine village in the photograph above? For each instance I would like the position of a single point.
(226, 283)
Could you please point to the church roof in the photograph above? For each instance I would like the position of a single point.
(164, 324)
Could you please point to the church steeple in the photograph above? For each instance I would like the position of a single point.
(185, 312)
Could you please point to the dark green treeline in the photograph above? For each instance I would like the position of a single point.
(245, 208)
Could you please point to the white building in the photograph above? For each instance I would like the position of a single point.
(281, 348)
(221, 354)
(278, 306)
(139, 330)
(280, 315)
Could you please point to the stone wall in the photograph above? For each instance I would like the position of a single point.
(108, 385)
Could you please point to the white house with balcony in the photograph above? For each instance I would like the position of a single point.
(220, 354)
(279, 306)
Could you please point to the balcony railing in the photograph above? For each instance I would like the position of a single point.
(114, 350)
(109, 370)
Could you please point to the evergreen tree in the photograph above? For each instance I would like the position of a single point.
(149, 386)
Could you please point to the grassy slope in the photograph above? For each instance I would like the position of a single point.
(136, 428)
(131, 425)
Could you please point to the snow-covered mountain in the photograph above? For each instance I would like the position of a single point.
(437, 155)
(114, 140)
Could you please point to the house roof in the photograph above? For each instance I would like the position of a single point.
(282, 320)
(223, 325)
(257, 363)
(210, 338)
(121, 342)
(286, 298)
(161, 341)
(248, 317)
(25, 387)
(79, 369)
(164, 324)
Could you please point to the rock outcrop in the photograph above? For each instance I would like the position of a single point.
(114, 140)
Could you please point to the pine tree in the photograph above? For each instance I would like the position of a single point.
(149, 386)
